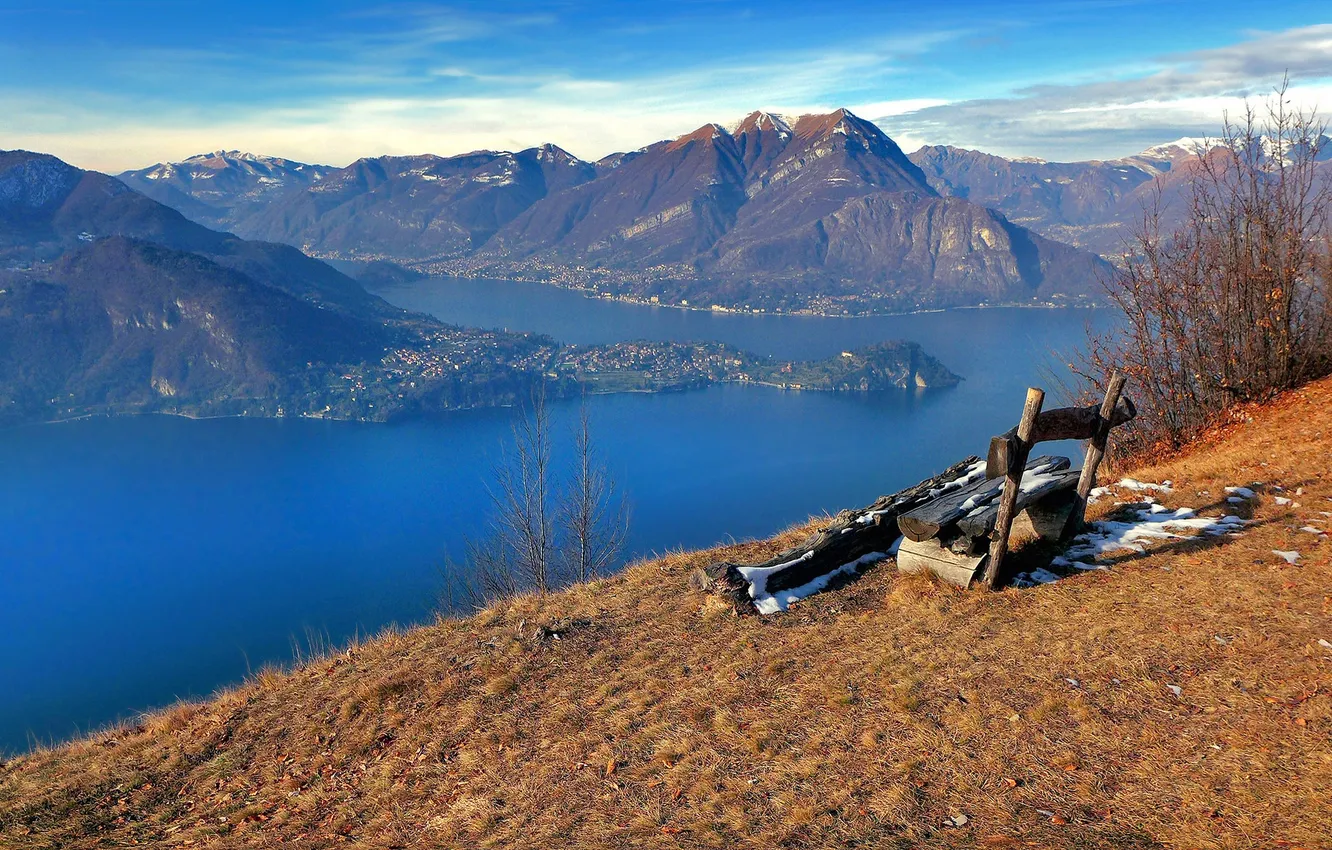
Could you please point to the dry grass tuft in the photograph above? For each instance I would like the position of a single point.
(891, 712)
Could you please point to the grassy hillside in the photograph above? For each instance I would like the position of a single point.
(865, 717)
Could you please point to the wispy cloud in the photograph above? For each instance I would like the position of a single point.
(414, 78)
(1177, 94)
(366, 107)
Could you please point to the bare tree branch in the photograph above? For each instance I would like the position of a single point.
(1236, 303)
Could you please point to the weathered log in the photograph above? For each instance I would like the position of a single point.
(851, 536)
(1064, 423)
(981, 521)
(1017, 460)
(929, 519)
(954, 567)
(1045, 519)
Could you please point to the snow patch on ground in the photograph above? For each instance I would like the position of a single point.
(1130, 484)
(1035, 577)
(1145, 486)
(772, 603)
(1153, 522)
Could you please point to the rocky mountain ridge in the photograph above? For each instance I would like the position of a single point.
(222, 188)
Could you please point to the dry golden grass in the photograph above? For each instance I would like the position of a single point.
(864, 717)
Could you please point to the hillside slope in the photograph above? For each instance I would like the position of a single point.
(865, 717)
(125, 325)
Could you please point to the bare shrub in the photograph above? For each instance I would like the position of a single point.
(522, 543)
(594, 517)
(1233, 305)
(543, 532)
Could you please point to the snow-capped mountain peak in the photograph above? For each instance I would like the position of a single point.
(761, 121)
(1187, 145)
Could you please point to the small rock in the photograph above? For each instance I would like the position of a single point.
(1176, 690)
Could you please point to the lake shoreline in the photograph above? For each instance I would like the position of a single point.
(735, 311)
(592, 391)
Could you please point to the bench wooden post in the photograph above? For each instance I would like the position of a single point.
(1095, 454)
(1016, 462)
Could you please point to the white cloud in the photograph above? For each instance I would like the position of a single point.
(1178, 95)
(889, 108)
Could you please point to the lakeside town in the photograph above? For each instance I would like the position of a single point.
(451, 368)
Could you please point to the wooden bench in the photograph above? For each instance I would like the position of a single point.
(960, 520)
(951, 536)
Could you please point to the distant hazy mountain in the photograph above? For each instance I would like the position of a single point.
(416, 208)
(222, 188)
(1094, 204)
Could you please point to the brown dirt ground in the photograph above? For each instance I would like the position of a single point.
(864, 717)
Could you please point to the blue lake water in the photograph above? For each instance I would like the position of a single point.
(145, 559)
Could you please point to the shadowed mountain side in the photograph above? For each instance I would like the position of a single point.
(48, 207)
(126, 323)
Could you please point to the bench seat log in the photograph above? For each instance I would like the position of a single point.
(980, 522)
(850, 536)
(916, 556)
(926, 521)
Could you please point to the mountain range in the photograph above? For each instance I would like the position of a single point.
(821, 212)
(222, 188)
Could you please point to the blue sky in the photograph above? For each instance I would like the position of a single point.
(122, 83)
